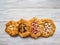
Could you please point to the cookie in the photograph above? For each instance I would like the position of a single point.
(48, 27)
(23, 28)
(35, 25)
(11, 28)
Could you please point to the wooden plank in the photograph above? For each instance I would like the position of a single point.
(16, 9)
(5, 39)
(16, 14)
(4, 4)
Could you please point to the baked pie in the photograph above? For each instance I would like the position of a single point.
(36, 28)
(23, 28)
(11, 28)
(48, 27)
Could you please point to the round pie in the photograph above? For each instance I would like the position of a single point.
(11, 28)
(36, 28)
(23, 28)
(48, 27)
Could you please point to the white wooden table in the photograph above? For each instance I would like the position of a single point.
(16, 9)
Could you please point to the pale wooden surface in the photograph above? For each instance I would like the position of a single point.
(16, 9)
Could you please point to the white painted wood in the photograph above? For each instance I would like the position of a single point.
(16, 9)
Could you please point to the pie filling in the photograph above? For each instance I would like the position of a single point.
(48, 27)
(11, 27)
(22, 28)
(35, 27)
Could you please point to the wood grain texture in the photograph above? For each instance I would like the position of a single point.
(7, 4)
(16, 14)
(16, 9)
(5, 39)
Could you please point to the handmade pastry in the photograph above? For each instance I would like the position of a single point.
(23, 28)
(36, 28)
(48, 27)
(11, 28)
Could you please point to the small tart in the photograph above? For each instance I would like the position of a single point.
(48, 27)
(23, 28)
(35, 25)
(11, 28)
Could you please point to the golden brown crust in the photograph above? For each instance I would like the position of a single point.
(48, 27)
(11, 28)
(38, 29)
(34, 27)
(25, 31)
